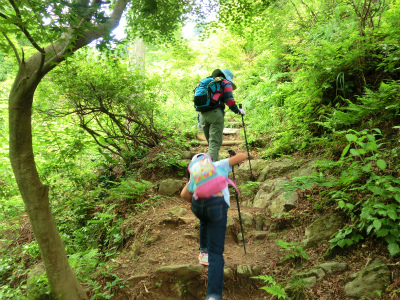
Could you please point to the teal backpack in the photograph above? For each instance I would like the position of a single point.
(207, 94)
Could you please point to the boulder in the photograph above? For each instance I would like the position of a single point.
(307, 169)
(169, 187)
(178, 211)
(276, 168)
(244, 271)
(242, 173)
(260, 235)
(268, 191)
(333, 267)
(247, 219)
(181, 272)
(374, 277)
(283, 203)
(322, 229)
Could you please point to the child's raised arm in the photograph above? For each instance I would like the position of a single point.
(236, 159)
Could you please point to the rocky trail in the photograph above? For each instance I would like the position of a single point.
(161, 260)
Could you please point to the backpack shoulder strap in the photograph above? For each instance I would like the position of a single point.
(230, 181)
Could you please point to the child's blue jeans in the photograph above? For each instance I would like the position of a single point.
(212, 213)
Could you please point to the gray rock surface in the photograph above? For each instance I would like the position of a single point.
(374, 277)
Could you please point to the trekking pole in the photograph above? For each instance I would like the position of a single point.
(247, 147)
(231, 152)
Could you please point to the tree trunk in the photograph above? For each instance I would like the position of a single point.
(61, 277)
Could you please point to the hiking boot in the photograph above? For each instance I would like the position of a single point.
(203, 259)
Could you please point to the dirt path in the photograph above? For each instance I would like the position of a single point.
(166, 242)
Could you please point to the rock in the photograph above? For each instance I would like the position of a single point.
(37, 271)
(276, 168)
(322, 229)
(181, 272)
(178, 211)
(152, 238)
(272, 235)
(306, 170)
(269, 190)
(240, 238)
(135, 249)
(187, 154)
(169, 187)
(229, 221)
(262, 199)
(244, 271)
(283, 203)
(242, 173)
(333, 267)
(259, 222)
(256, 270)
(228, 273)
(192, 236)
(374, 277)
(260, 235)
(174, 221)
(228, 131)
(31, 282)
(247, 219)
(136, 279)
(316, 272)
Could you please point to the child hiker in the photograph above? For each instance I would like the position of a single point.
(212, 212)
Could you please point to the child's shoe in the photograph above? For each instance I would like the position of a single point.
(203, 259)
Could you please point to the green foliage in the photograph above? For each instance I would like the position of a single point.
(272, 286)
(10, 207)
(168, 159)
(130, 189)
(250, 188)
(295, 251)
(381, 106)
(308, 182)
(298, 288)
(6, 67)
(159, 20)
(114, 105)
(378, 212)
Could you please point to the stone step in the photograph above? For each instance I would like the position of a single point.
(231, 131)
(224, 143)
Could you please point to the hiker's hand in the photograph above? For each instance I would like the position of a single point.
(199, 127)
(231, 153)
(241, 111)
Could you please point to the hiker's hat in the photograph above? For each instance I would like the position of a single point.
(227, 74)
(196, 156)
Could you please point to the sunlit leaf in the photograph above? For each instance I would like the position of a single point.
(381, 164)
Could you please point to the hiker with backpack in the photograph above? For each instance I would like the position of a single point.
(207, 191)
(210, 97)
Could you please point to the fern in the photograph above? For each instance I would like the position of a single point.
(272, 288)
(381, 105)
